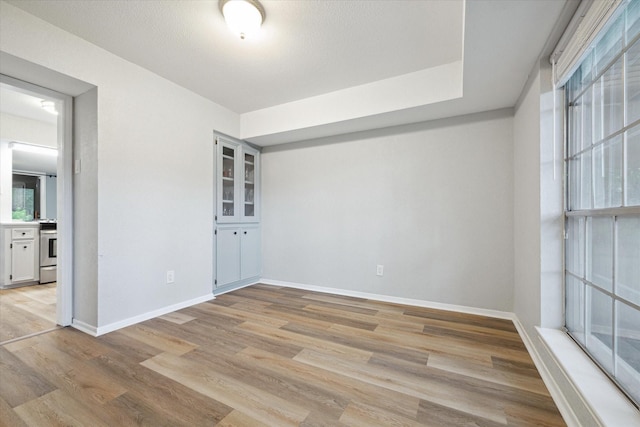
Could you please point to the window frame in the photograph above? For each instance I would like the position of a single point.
(578, 215)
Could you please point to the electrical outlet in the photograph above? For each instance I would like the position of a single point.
(379, 270)
(171, 276)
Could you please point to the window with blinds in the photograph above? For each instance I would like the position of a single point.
(602, 163)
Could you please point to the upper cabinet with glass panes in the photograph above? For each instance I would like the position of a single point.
(237, 181)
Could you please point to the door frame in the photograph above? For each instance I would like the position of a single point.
(64, 303)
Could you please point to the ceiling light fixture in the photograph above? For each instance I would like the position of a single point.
(49, 106)
(243, 17)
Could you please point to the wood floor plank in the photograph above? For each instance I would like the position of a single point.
(433, 414)
(177, 317)
(170, 400)
(379, 306)
(9, 417)
(247, 313)
(75, 343)
(130, 410)
(274, 311)
(94, 384)
(230, 391)
(70, 374)
(240, 419)
(422, 388)
(158, 339)
(486, 373)
(311, 396)
(348, 387)
(360, 339)
(345, 320)
(27, 310)
(217, 341)
(19, 383)
(358, 414)
(447, 345)
(464, 318)
(267, 295)
(58, 409)
(132, 348)
(244, 338)
(284, 336)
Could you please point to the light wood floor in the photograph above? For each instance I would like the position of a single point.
(274, 356)
(27, 310)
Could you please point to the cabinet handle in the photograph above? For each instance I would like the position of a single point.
(23, 233)
(245, 232)
(24, 247)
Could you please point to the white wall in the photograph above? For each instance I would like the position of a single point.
(85, 208)
(432, 202)
(526, 207)
(6, 164)
(538, 205)
(153, 169)
(14, 128)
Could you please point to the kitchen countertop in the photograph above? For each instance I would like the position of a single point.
(21, 224)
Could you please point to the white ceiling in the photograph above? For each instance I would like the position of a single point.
(314, 47)
(23, 105)
(305, 48)
(18, 103)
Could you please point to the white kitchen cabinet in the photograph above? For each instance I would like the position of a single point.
(237, 254)
(20, 255)
(237, 182)
(23, 253)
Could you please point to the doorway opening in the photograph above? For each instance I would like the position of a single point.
(35, 207)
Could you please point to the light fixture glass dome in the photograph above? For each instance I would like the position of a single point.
(243, 17)
(49, 106)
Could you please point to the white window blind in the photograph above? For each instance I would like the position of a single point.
(590, 19)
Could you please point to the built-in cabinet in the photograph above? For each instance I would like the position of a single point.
(238, 253)
(20, 249)
(238, 172)
(237, 233)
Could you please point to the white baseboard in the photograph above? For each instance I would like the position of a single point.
(392, 299)
(84, 327)
(101, 330)
(554, 389)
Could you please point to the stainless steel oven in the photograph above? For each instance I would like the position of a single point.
(48, 252)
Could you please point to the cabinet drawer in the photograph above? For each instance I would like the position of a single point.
(23, 233)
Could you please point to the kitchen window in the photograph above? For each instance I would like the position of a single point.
(25, 197)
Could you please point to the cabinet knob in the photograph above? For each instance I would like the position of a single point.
(235, 232)
(24, 247)
(23, 233)
(245, 232)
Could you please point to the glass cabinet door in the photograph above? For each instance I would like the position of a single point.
(237, 182)
(249, 190)
(228, 203)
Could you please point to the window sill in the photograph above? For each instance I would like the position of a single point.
(605, 400)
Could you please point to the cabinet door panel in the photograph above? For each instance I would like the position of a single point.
(250, 247)
(250, 185)
(228, 256)
(229, 176)
(23, 260)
